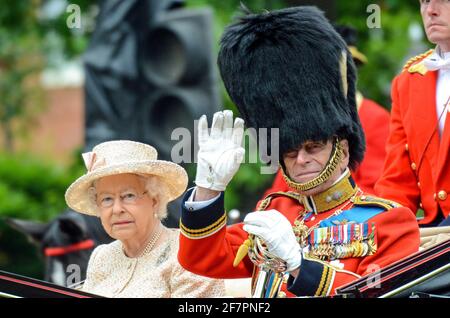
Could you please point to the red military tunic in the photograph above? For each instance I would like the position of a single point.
(375, 122)
(417, 169)
(208, 247)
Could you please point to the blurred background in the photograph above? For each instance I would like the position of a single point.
(75, 73)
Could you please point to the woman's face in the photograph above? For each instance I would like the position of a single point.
(126, 209)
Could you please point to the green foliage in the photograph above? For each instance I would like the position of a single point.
(24, 35)
(19, 60)
(72, 42)
(31, 188)
(386, 48)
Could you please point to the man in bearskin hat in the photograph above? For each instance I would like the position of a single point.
(289, 69)
(374, 120)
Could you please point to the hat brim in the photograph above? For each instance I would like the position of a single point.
(173, 175)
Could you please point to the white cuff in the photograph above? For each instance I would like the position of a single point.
(192, 205)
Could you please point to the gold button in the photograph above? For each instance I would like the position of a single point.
(406, 147)
(421, 205)
(418, 184)
(413, 166)
(442, 195)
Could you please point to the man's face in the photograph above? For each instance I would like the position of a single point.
(436, 21)
(308, 161)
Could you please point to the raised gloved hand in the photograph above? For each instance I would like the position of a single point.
(276, 231)
(220, 153)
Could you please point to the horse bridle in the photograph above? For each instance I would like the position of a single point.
(63, 250)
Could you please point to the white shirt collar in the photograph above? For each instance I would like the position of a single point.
(438, 60)
(440, 54)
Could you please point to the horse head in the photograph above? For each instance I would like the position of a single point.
(66, 243)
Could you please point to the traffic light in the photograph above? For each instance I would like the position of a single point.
(150, 69)
(178, 64)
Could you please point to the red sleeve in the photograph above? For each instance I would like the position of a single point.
(398, 182)
(375, 122)
(213, 256)
(208, 246)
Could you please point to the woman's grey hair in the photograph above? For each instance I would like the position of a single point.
(155, 187)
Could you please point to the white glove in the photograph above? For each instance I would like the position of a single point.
(220, 153)
(276, 231)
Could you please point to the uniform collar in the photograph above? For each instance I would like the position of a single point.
(341, 191)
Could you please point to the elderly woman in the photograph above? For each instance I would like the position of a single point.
(128, 188)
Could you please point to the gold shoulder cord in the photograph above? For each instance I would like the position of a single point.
(326, 173)
(414, 59)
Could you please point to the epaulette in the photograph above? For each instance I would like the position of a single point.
(415, 59)
(369, 200)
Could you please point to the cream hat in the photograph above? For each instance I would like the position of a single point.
(123, 156)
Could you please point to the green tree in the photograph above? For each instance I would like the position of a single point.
(19, 60)
(24, 32)
(386, 47)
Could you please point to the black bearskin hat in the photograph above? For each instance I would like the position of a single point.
(289, 69)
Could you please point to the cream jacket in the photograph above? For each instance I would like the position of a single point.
(111, 273)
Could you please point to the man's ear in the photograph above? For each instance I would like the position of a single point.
(346, 153)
